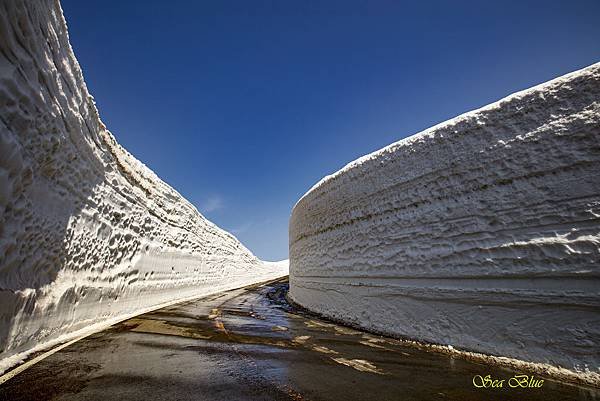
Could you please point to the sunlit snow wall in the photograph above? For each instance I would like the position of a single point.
(482, 232)
(88, 234)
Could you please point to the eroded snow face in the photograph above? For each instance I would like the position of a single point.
(88, 234)
(482, 232)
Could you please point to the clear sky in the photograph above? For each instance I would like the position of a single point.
(243, 105)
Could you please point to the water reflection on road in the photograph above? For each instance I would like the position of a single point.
(249, 344)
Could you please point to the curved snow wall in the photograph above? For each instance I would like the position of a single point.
(88, 234)
(482, 232)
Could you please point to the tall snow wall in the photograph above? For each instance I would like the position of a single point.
(482, 232)
(88, 234)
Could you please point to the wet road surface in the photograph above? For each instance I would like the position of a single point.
(249, 344)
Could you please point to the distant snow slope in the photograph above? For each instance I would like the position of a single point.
(88, 234)
(482, 232)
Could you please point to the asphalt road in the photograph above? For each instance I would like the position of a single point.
(249, 344)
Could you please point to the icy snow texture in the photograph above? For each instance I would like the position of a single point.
(482, 232)
(88, 234)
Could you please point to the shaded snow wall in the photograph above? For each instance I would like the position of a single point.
(482, 232)
(88, 234)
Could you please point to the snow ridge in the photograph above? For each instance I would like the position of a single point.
(88, 234)
(482, 232)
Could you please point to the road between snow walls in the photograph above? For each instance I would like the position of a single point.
(481, 233)
(88, 234)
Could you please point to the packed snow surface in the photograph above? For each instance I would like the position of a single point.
(88, 234)
(482, 232)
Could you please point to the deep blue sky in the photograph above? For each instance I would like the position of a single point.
(243, 105)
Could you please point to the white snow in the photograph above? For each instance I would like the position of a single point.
(88, 234)
(482, 232)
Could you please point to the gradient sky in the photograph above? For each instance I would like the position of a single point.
(243, 105)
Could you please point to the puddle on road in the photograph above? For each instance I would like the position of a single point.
(372, 344)
(211, 328)
(324, 350)
(301, 339)
(347, 331)
(359, 364)
(164, 328)
(313, 324)
(279, 328)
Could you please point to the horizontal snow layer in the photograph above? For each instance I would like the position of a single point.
(88, 234)
(482, 232)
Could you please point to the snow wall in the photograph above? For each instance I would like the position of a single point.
(482, 232)
(88, 234)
